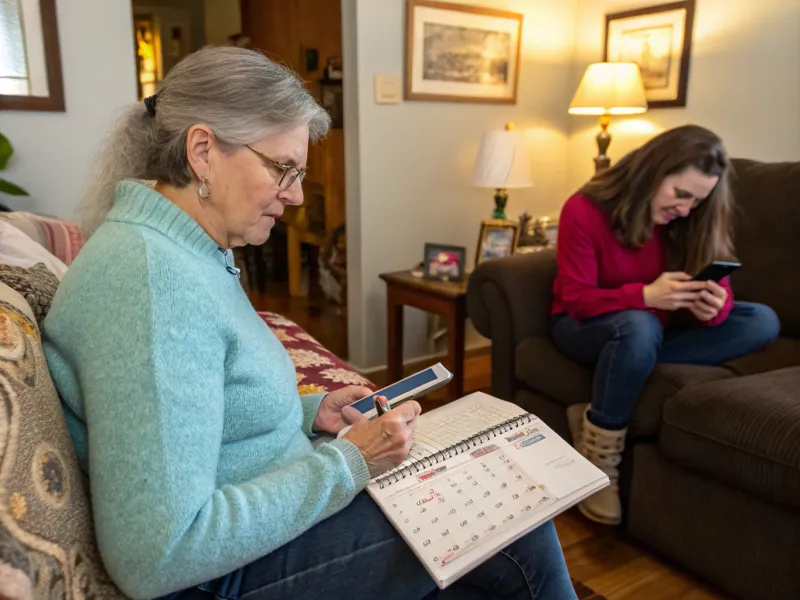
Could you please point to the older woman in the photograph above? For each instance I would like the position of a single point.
(183, 406)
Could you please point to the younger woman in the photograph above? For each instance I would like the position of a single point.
(628, 244)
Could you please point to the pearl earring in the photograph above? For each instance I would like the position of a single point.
(203, 190)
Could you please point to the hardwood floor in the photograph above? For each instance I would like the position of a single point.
(598, 556)
(620, 569)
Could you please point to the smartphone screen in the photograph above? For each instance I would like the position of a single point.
(396, 389)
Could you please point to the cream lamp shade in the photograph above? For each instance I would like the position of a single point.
(610, 89)
(502, 163)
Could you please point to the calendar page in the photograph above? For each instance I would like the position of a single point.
(453, 508)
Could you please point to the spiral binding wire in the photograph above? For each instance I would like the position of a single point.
(457, 448)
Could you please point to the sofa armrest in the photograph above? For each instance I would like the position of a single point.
(509, 300)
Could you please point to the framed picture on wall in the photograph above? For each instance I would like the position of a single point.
(497, 239)
(459, 53)
(659, 40)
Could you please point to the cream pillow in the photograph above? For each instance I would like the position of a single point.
(19, 250)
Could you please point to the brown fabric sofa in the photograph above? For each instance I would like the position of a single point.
(711, 473)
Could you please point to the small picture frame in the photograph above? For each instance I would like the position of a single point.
(497, 239)
(444, 263)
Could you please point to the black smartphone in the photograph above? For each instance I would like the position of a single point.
(716, 271)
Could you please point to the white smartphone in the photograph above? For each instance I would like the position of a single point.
(410, 388)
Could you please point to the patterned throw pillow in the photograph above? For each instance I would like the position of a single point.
(37, 284)
(47, 539)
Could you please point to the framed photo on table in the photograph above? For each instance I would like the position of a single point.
(460, 53)
(444, 263)
(659, 40)
(497, 239)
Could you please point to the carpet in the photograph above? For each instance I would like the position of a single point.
(585, 592)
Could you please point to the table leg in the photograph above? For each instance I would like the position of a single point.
(456, 321)
(394, 338)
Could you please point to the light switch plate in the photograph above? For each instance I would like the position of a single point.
(388, 89)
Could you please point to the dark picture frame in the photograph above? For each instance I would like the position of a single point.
(453, 268)
(659, 92)
(497, 239)
(54, 101)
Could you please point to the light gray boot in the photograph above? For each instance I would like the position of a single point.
(603, 448)
(575, 414)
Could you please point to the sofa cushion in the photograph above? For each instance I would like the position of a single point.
(743, 431)
(318, 369)
(37, 284)
(544, 368)
(46, 533)
(766, 237)
(781, 354)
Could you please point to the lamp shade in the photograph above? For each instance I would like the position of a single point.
(610, 89)
(503, 161)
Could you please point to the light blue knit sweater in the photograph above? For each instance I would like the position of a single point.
(183, 406)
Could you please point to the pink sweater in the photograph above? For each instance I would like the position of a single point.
(598, 275)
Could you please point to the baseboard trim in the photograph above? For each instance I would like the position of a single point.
(421, 362)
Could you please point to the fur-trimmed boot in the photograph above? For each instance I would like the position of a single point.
(603, 448)
(575, 413)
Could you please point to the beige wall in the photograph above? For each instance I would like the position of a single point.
(223, 18)
(409, 165)
(744, 81)
(55, 150)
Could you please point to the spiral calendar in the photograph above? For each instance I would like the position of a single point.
(482, 473)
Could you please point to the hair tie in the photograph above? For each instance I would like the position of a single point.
(150, 104)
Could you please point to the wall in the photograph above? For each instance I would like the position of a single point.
(409, 165)
(223, 18)
(744, 81)
(54, 150)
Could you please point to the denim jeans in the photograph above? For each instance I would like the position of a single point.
(357, 554)
(625, 346)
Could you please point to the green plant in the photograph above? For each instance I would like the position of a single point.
(6, 187)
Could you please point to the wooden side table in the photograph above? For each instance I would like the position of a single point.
(445, 299)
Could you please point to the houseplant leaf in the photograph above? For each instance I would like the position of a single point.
(6, 150)
(6, 187)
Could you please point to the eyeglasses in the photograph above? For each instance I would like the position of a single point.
(288, 174)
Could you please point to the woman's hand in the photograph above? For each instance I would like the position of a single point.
(329, 417)
(709, 302)
(672, 291)
(383, 442)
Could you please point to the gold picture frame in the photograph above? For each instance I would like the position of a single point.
(659, 40)
(460, 53)
(497, 239)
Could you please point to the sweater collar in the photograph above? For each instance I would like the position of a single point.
(137, 203)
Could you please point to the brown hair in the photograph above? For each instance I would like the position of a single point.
(626, 190)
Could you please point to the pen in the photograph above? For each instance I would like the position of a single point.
(381, 405)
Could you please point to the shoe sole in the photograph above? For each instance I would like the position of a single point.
(598, 519)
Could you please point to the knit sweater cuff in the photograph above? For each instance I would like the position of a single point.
(310, 409)
(355, 462)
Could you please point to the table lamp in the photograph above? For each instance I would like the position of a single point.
(502, 163)
(609, 88)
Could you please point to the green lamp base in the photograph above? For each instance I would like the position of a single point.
(500, 200)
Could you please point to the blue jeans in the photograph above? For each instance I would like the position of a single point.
(625, 346)
(357, 553)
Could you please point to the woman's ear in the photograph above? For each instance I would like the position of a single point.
(199, 141)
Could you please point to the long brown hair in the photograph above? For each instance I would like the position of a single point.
(626, 190)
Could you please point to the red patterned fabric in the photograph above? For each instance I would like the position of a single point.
(317, 369)
(65, 239)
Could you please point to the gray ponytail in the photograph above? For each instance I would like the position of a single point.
(240, 94)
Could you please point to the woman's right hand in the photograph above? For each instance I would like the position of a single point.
(672, 291)
(383, 442)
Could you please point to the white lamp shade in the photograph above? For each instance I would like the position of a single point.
(503, 161)
(610, 89)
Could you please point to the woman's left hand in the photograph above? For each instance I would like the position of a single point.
(329, 417)
(710, 301)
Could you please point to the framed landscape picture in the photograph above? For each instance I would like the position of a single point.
(497, 239)
(458, 53)
(659, 40)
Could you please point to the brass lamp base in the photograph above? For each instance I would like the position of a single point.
(602, 161)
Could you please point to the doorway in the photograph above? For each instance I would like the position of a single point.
(301, 271)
